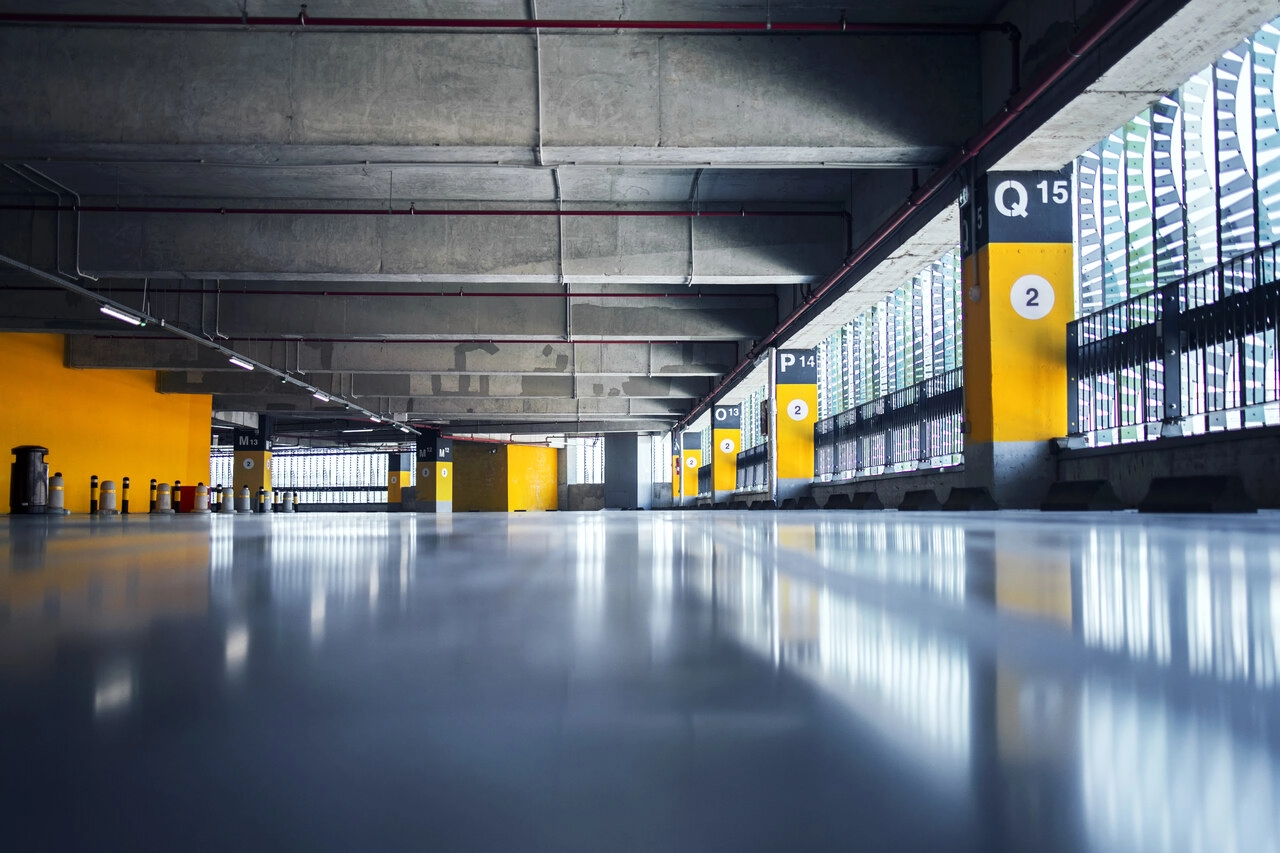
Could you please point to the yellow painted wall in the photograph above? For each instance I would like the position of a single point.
(797, 413)
(106, 422)
(533, 474)
(725, 471)
(504, 477)
(479, 477)
(1015, 369)
(689, 475)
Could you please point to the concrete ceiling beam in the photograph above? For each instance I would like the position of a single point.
(658, 359)
(429, 408)
(608, 98)
(463, 248)
(437, 385)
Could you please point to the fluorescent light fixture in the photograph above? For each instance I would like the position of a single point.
(367, 429)
(238, 363)
(120, 315)
(321, 396)
(375, 419)
(405, 429)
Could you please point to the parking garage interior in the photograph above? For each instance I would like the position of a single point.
(640, 425)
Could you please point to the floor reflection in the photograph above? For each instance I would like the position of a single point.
(746, 681)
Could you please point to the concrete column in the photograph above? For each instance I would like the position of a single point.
(628, 475)
(677, 469)
(796, 408)
(399, 475)
(726, 441)
(1018, 283)
(435, 473)
(253, 458)
(691, 462)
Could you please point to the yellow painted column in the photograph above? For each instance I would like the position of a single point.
(1018, 274)
(796, 399)
(677, 465)
(691, 442)
(726, 441)
(435, 473)
(252, 462)
(399, 475)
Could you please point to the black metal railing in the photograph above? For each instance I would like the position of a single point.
(916, 427)
(753, 469)
(1195, 355)
(327, 475)
(704, 480)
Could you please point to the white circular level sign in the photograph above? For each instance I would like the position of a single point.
(444, 472)
(1032, 297)
(690, 462)
(797, 410)
(726, 446)
(248, 464)
(426, 472)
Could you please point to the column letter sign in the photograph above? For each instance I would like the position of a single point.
(797, 402)
(726, 442)
(1018, 270)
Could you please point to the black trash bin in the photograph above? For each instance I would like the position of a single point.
(29, 483)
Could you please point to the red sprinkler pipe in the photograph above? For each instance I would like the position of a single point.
(496, 341)
(412, 211)
(418, 294)
(305, 20)
(1012, 108)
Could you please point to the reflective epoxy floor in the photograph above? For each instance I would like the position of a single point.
(641, 682)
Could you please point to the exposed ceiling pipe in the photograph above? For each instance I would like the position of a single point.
(550, 339)
(56, 190)
(411, 210)
(1012, 109)
(133, 316)
(303, 20)
(419, 294)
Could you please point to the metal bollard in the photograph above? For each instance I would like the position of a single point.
(275, 501)
(93, 495)
(294, 504)
(177, 496)
(107, 502)
(202, 498)
(286, 505)
(215, 498)
(262, 499)
(164, 499)
(244, 500)
(124, 498)
(153, 496)
(227, 503)
(57, 496)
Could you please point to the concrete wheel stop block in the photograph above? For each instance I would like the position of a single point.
(920, 500)
(1081, 496)
(970, 498)
(1197, 494)
(858, 500)
(765, 505)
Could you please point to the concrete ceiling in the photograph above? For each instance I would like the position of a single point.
(479, 311)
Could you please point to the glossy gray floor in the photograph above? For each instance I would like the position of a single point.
(641, 682)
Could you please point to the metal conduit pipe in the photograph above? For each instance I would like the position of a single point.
(1012, 108)
(414, 211)
(121, 310)
(549, 339)
(302, 19)
(424, 293)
